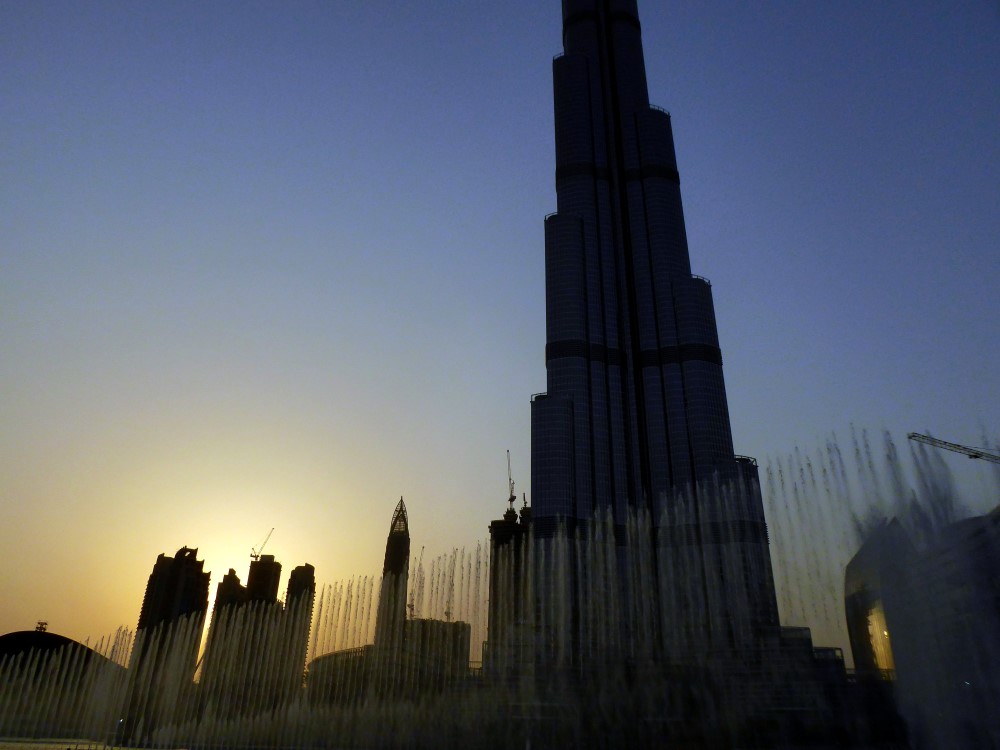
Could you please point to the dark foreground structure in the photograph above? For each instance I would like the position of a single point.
(923, 616)
(52, 686)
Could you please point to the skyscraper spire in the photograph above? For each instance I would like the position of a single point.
(395, 573)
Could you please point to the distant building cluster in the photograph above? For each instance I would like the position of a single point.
(254, 655)
(256, 647)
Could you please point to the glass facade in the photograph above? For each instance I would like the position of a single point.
(635, 422)
(632, 349)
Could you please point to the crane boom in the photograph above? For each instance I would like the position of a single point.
(255, 551)
(963, 449)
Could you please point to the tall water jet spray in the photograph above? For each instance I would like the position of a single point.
(640, 690)
(885, 550)
(823, 504)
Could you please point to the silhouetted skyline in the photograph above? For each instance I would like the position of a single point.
(268, 267)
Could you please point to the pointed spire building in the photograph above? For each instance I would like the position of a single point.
(390, 623)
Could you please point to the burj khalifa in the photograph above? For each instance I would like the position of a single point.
(635, 417)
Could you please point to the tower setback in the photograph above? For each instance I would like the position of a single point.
(634, 423)
(635, 406)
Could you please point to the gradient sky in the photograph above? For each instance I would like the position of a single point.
(276, 264)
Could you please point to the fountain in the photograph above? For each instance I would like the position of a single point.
(705, 669)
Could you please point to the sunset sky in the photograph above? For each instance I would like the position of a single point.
(276, 264)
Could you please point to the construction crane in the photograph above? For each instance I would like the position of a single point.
(255, 551)
(963, 449)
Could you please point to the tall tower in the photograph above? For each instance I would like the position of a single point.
(395, 572)
(263, 579)
(390, 623)
(508, 590)
(164, 657)
(635, 418)
(177, 587)
(636, 404)
(172, 615)
(299, 601)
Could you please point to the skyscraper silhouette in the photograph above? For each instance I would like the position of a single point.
(164, 657)
(390, 623)
(256, 649)
(636, 404)
(508, 591)
(263, 579)
(299, 601)
(395, 574)
(635, 418)
(177, 587)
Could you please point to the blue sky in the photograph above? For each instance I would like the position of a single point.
(271, 264)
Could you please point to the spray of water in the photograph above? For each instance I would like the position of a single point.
(655, 630)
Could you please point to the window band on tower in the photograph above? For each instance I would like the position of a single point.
(665, 355)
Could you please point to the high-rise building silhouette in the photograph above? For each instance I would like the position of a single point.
(255, 653)
(229, 592)
(390, 624)
(395, 570)
(178, 586)
(635, 419)
(299, 600)
(636, 404)
(509, 633)
(408, 657)
(263, 579)
(164, 657)
(301, 582)
(176, 597)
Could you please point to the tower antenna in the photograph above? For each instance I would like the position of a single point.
(510, 484)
